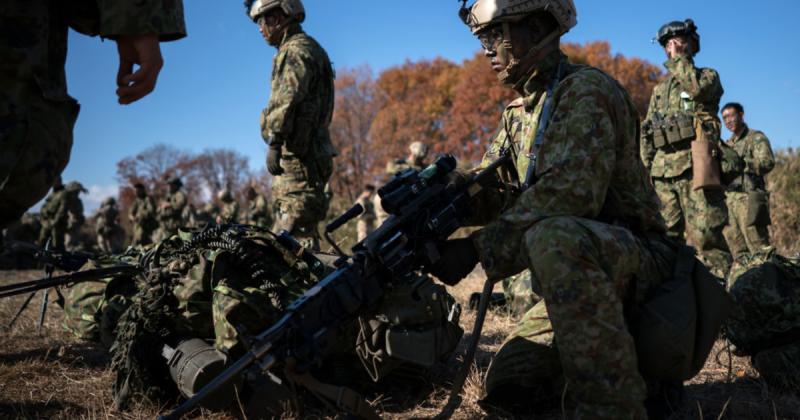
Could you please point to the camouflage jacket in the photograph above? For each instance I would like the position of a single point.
(33, 42)
(173, 207)
(50, 208)
(258, 212)
(301, 104)
(754, 149)
(587, 166)
(72, 210)
(106, 221)
(688, 89)
(229, 213)
(143, 211)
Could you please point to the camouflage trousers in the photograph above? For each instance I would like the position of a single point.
(519, 294)
(576, 339)
(35, 139)
(742, 236)
(299, 200)
(698, 216)
(141, 235)
(57, 236)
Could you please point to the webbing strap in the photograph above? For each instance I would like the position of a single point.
(344, 397)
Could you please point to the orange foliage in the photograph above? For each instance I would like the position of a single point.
(638, 76)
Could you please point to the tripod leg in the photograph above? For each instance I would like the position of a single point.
(21, 308)
(43, 312)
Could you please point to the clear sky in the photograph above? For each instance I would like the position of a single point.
(216, 81)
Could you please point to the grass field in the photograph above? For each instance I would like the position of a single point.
(52, 375)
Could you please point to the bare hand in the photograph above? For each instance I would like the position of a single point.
(676, 47)
(142, 50)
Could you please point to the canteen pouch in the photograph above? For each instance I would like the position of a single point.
(758, 208)
(705, 165)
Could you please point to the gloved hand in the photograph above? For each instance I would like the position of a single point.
(458, 257)
(274, 159)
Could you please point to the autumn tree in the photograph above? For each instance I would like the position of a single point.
(638, 76)
(416, 99)
(479, 100)
(220, 168)
(357, 104)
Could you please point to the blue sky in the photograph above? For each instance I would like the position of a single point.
(216, 81)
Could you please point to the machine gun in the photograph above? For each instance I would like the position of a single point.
(425, 209)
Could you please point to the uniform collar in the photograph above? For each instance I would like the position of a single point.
(291, 31)
(745, 131)
(540, 76)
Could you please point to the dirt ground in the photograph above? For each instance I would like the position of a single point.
(52, 375)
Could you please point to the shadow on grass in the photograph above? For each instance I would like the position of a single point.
(86, 355)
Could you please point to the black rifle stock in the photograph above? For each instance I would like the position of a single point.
(424, 210)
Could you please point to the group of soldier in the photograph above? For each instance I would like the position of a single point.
(596, 207)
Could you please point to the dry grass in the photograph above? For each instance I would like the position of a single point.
(53, 376)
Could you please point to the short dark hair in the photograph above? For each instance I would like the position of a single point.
(735, 105)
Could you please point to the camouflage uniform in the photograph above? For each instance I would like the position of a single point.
(73, 206)
(110, 235)
(258, 213)
(36, 113)
(143, 220)
(745, 235)
(299, 112)
(53, 219)
(366, 221)
(590, 232)
(765, 323)
(701, 214)
(171, 214)
(229, 213)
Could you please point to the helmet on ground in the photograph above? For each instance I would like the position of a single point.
(484, 13)
(292, 8)
(418, 149)
(677, 28)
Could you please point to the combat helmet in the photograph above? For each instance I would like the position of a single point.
(75, 186)
(292, 8)
(110, 201)
(484, 13)
(175, 181)
(678, 28)
(418, 149)
(225, 195)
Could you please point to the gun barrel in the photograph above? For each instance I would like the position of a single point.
(81, 276)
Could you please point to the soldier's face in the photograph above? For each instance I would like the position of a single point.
(271, 26)
(491, 40)
(679, 45)
(733, 119)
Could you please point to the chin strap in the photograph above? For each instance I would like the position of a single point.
(510, 72)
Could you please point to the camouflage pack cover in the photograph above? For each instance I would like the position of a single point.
(93, 308)
(228, 281)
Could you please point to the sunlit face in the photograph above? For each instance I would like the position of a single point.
(271, 25)
(734, 120)
(491, 40)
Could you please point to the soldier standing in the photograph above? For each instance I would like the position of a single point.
(48, 216)
(73, 212)
(587, 221)
(142, 216)
(258, 213)
(37, 112)
(746, 196)
(109, 233)
(366, 221)
(682, 112)
(295, 122)
(172, 209)
(417, 154)
(229, 213)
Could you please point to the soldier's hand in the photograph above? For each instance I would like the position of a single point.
(457, 258)
(144, 51)
(274, 160)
